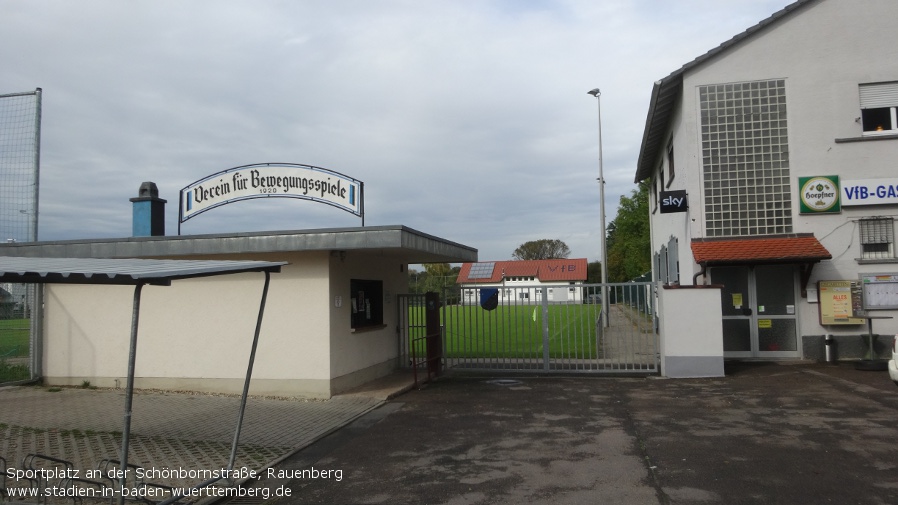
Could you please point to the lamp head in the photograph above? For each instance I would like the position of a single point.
(595, 92)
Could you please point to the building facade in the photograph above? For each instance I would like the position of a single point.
(521, 282)
(772, 160)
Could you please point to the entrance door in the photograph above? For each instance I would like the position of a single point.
(758, 308)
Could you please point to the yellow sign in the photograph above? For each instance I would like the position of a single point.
(765, 323)
(737, 300)
(838, 301)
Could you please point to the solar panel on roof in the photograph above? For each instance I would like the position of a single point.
(481, 270)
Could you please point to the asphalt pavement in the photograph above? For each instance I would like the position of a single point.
(767, 433)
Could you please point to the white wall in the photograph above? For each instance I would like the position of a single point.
(510, 293)
(356, 357)
(691, 340)
(196, 334)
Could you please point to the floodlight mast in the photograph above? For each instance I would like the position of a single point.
(604, 256)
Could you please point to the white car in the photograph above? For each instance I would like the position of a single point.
(893, 363)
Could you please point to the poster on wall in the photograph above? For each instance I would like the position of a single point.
(880, 291)
(839, 303)
(819, 195)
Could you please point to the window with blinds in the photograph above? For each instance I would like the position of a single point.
(879, 107)
(877, 238)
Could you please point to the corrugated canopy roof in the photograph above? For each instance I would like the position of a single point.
(800, 248)
(120, 271)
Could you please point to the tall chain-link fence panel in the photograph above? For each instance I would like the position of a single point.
(20, 133)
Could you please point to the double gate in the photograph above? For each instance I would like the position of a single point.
(541, 328)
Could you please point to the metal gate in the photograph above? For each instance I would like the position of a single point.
(411, 326)
(557, 328)
(419, 349)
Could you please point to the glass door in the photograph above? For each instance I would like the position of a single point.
(736, 311)
(758, 309)
(775, 310)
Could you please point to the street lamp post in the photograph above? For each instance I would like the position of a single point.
(598, 94)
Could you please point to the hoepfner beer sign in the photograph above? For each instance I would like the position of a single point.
(819, 194)
(272, 180)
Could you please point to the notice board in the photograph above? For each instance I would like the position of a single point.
(840, 302)
(880, 291)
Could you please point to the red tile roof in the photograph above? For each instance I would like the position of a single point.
(786, 249)
(542, 270)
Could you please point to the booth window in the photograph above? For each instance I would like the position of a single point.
(367, 303)
(877, 238)
(879, 108)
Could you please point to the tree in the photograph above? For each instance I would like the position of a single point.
(543, 249)
(435, 277)
(594, 272)
(628, 241)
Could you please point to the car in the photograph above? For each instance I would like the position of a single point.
(893, 363)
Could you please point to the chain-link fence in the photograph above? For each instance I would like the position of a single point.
(20, 132)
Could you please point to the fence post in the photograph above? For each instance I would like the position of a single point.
(434, 335)
(544, 294)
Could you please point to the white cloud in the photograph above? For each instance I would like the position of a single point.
(466, 119)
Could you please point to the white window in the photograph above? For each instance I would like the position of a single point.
(879, 108)
(877, 238)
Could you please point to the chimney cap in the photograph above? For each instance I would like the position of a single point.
(148, 192)
(148, 189)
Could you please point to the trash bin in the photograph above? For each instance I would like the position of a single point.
(830, 344)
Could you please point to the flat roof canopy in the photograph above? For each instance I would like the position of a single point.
(406, 244)
(120, 271)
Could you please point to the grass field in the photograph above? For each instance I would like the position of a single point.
(516, 331)
(14, 334)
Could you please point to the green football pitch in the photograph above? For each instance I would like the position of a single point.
(517, 331)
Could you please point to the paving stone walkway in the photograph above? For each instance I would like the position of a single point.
(169, 430)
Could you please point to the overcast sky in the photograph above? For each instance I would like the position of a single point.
(465, 119)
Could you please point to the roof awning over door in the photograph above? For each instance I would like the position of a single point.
(802, 249)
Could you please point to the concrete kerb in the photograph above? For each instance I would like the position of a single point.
(174, 429)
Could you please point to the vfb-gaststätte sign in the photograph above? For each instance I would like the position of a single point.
(267, 180)
(870, 192)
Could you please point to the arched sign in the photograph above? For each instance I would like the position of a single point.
(272, 180)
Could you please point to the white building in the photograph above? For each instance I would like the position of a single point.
(330, 322)
(522, 282)
(783, 143)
